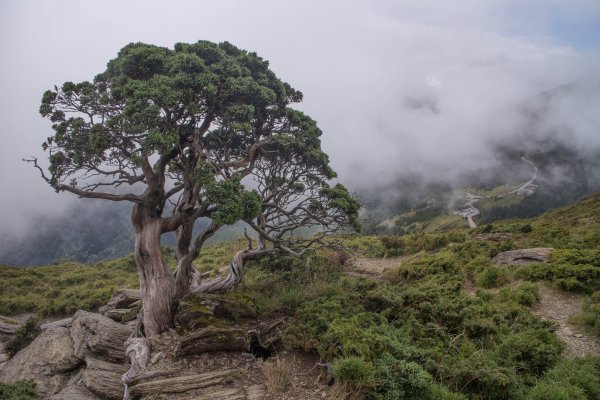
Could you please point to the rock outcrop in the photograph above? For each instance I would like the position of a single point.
(98, 336)
(523, 256)
(55, 358)
(47, 361)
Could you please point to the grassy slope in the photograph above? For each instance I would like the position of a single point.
(414, 335)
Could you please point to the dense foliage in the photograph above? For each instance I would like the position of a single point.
(18, 391)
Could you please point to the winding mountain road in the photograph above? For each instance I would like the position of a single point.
(469, 210)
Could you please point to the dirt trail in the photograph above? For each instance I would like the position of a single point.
(558, 307)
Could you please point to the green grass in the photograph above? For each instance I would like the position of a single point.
(63, 288)
(414, 334)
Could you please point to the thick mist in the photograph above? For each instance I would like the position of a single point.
(400, 88)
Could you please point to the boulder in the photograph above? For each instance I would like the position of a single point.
(99, 337)
(103, 378)
(73, 393)
(47, 361)
(213, 339)
(55, 324)
(523, 256)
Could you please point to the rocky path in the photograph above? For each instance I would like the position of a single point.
(558, 307)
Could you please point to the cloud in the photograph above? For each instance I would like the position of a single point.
(396, 86)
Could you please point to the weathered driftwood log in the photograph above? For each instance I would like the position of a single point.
(103, 378)
(98, 336)
(182, 384)
(119, 307)
(121, 314)
(213, 339)
(523, 256)
(146, 376)
(137, 350)
(46, 361)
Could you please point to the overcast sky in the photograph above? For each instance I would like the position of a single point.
(395, 85)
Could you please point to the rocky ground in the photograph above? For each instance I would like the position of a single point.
(559, 307)
(83, 358)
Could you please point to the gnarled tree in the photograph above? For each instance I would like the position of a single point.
(191, 127)
(183, 125)
(299, 209)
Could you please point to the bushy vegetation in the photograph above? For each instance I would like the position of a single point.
(571, 379)
(64, 288)
(573, 270)
(18, 391)
(411, 244)
(24, 335)
(415, 334)
(406, 337)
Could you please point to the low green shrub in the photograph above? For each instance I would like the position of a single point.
(591, 314)
(18, 391)
(526, 294)
(572, 379)
(354, 372)
(493, 276)
(573, 270)
(24, 335)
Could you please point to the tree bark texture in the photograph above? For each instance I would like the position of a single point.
(157, 284)
(235, 275)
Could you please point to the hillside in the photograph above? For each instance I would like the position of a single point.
(435, 315)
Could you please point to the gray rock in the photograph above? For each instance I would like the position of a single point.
(71, 393)
(98, 336)
(47, 361)
(523, 256)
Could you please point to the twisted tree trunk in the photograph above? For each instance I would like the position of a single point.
(236, 272)
(157, 284)
(187, 276)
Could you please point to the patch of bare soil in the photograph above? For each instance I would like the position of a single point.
(373, 268)
(558, 307)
